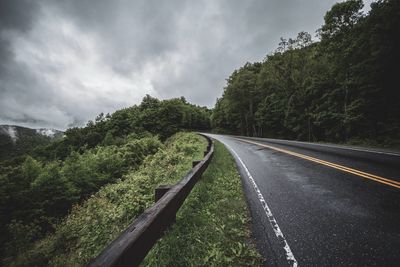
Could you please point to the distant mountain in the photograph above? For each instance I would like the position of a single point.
(52, 133)
(17, 140)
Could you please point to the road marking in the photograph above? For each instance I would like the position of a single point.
(366, 175)
(289, 254)
(336, 146)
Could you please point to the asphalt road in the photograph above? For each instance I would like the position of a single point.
(320, 205)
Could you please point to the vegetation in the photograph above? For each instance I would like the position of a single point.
(340, 89)
(161, 118)
(42, 193)
(39, 188)
(93, 225)
(212, 227)
(16, 140)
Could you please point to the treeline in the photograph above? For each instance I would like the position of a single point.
(153, 116)
(343, 88)
(38, 190)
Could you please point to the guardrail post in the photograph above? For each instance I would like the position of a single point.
(133, 244)
(160, 191)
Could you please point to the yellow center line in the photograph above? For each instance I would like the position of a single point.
(330, 164)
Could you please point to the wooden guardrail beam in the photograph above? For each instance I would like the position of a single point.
(132, 246)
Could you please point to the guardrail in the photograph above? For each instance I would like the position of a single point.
(132, 246)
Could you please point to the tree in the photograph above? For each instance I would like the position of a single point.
(339, 89)
(341, 18)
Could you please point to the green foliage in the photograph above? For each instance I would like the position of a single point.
(340, 89)
(25, 141)
(341, 18)
(157, 117)
(167, 117)
(212, 227)
(43, 193)
(42, 182)
(93, 225)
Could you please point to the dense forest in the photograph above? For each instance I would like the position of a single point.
(39, 188)
(16, 140)
(342, 88)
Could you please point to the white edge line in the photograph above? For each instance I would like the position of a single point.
(289, 254)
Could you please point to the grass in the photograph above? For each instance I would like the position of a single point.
(390, 144)
(212, 227)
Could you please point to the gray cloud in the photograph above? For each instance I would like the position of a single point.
(15, 16)
(63, 62)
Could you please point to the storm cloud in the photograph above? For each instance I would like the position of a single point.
(64, 62)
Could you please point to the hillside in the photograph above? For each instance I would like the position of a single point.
(53, 174)
(17, 140)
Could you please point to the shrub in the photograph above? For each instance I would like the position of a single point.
(93, 225)
(43, 193)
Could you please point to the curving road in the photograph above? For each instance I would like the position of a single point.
(320, 205)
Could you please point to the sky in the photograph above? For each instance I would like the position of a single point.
(64, 62)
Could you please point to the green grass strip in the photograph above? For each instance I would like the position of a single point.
(212, 227)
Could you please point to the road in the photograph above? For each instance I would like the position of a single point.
(320, 205)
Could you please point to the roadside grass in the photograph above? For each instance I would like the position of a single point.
(213, 226)
(90, 227)
(386, 144)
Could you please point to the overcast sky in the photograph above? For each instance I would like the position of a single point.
(64, 62)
